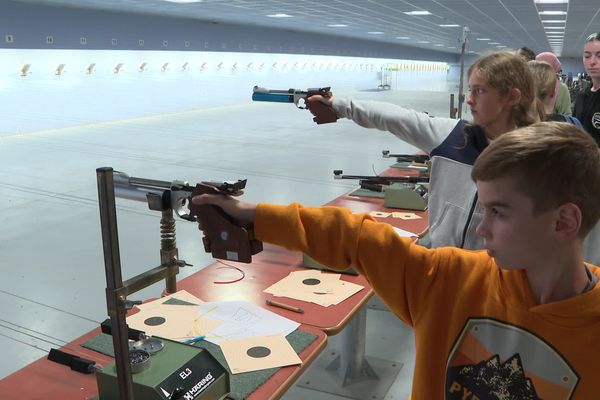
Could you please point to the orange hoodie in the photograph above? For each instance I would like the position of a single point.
(479, 334)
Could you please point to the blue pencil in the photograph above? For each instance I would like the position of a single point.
(194, 340)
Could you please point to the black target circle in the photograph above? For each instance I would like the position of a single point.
(258, 352)
(311, 281)
(154, 321)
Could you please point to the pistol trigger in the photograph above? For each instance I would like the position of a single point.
(301, 104)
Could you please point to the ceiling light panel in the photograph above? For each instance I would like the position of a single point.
(280, 15)
(184, 1)
(418, 12)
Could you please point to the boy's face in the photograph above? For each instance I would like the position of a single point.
(486, 103)
(512, 234)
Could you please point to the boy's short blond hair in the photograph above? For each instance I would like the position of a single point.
(553, 163)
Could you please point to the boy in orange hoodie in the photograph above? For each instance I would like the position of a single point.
(518, 320)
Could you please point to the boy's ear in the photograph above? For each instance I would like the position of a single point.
(568, 221)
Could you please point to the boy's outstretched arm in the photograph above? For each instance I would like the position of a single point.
(399, 271)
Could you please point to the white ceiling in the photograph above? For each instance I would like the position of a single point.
(510, 23)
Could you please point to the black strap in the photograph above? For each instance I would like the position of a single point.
(469, 218)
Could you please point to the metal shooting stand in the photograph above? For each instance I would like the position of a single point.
(157, 194)
(180, 371)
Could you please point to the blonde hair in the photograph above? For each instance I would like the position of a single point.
(505, 71)
(552, 163)
(544, 80)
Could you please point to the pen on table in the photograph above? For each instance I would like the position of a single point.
(194, 340)
(284, 306)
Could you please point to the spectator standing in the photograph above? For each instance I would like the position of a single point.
(544, 79)
(526, 54)
(587, 104)
(562, 106)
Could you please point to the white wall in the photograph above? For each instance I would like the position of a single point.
(43, 100)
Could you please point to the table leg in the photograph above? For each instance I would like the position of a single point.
(349, 372)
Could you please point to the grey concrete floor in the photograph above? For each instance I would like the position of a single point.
(52, 286)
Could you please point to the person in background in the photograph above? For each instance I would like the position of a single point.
(518, 320)
(562, 106)
(526, 54)
(501, 97)
(569, 79)
(587, 104)
(544, 78)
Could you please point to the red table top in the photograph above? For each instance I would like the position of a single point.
(270, 266)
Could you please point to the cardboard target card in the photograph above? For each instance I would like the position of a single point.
(261, 352)
(314, 286)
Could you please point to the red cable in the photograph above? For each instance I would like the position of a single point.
(230, 266)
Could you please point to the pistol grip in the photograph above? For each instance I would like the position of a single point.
(323, 113)
(223, 238)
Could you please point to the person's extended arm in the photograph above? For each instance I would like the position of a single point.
(398, 270)
(413, 127)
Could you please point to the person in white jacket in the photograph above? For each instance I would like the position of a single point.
(501, 97)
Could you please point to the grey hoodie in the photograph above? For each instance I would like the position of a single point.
(453, 146)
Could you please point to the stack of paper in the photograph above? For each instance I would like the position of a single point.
(314, 286)
(172, 321)
(251, 337)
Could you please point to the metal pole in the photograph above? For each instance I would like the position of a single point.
(114, 281)
(353, 355)
(461, 96)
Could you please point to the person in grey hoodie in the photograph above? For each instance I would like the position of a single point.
(501, 97)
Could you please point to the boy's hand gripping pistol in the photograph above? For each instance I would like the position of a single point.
(323, 113)
(223, 237)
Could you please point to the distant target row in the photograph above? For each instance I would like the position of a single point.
(90, 68)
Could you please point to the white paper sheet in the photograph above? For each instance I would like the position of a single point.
(243, 320)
